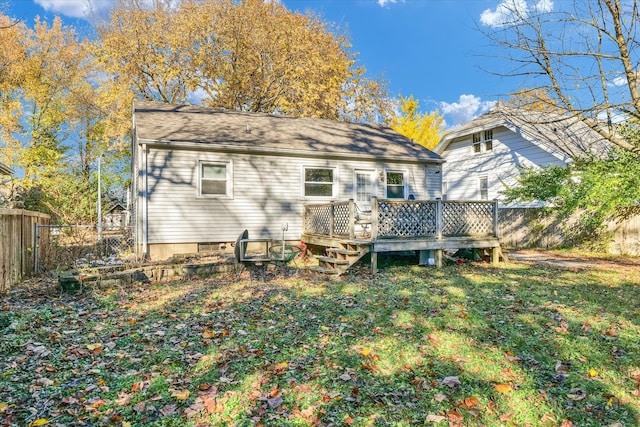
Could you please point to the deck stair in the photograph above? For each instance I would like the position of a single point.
(340, 259)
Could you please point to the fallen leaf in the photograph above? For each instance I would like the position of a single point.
(433, 418)
(365, 352)
(577, 394)
(506, 417)
(451, 381)
(180, 394)
(440, 397)
(123, 399)
(92, 347)
(470, 402)
(275, 402)
(208, 334)
(345, 377)
(592, 373)
(503, 388)
(168, 410)
(39, 422)
(348, 420)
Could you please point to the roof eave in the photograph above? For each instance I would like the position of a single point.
(229, 148)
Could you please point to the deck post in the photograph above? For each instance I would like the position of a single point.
(438, 258)
(374, 262)
(352, 219)
(496, 229)
(439, 219)
(495, 256)
(374, 219)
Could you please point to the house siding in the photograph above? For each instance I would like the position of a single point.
(511, 151)
(267, 192)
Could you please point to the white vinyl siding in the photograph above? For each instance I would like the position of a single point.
(267, 192)
(510, 151)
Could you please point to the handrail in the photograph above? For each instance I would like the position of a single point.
(393, 218)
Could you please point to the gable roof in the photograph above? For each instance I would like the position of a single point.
(206, 128)
(562, 136)
(5, 170)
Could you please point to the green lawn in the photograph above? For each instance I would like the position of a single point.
(465, 345)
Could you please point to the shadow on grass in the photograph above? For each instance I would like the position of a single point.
(467, 344)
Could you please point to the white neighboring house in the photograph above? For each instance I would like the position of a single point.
(484, 156)
(5, 171)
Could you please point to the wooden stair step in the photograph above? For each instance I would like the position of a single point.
(325, 270)
(343, 251)
(331, 260)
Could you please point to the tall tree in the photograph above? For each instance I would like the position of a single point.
(584, 55)
(51, 131)
(247, 55)
(425, 129)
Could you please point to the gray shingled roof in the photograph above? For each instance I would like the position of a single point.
(563, 135)
(167, 123)
(5, 170)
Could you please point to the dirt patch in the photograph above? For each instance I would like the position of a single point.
(577, 260)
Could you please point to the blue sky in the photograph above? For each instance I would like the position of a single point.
(431, 49)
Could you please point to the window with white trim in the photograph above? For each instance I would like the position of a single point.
(396, 184)
(488, 140)
(477, 147)
(483, 188)
(445, 189)
(216, 179)
(319, 182)
(482, 141)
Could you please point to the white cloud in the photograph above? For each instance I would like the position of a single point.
(383, 3)
(74, 8)
(466, 108)
(511, 11)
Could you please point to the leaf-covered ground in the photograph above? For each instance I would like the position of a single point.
(465, 345)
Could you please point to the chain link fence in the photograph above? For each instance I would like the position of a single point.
(63, 247)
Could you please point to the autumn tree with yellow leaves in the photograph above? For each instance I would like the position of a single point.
(66, 102)
(424, 129)
(251, 56)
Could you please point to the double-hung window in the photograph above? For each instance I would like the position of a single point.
(477, 142)
(488, 140)
(483, 188)
(483, 141)
(215, 179)
(396, 185)
(319, 182)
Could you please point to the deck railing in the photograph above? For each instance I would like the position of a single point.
(397, 219)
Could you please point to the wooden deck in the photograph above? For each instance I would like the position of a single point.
(399, 225)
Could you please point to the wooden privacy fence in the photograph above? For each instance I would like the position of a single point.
(17, 244)
(538, 228)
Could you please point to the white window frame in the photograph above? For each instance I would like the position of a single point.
(445, 189)
(405, 175)
(488, 139)
(334, 184)
(484, 178)
(482, 141)
(229, 179)
(476, 139)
